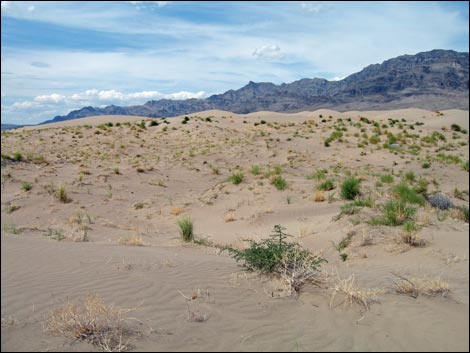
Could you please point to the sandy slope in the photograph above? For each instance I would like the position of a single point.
(177, 175)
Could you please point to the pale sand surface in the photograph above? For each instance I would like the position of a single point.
(39, 272)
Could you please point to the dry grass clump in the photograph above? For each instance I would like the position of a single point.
(319, 196)
(352, 293)
(429, 286)
(176, 211)
(412, 239)
(94, 321)
(61, 194)
(230, 217)
(135, 240)
(295, 271)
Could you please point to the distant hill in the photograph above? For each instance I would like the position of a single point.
(10, 126)
(434, 80)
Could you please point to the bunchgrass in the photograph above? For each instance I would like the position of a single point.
(395, 213)
(185, 225)
(279, 182)
(406, 194)
(236, 178)
(350, 188)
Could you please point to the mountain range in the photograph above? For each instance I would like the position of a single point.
(433, 80)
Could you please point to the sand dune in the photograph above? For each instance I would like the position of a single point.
(124, 181)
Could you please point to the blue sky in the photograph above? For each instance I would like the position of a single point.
(61, 56)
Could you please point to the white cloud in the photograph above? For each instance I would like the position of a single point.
(31, 8)
(268, 52)
(312, 6)
(141, 4)
(51, 98)
(25, 105)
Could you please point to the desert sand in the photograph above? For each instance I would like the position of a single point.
(125, 186)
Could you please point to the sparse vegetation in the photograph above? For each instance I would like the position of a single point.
(236, 178)
(279, 182)
(93, 321)
(350, 188)
(185, 226)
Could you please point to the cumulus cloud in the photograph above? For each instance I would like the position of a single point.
(51, 98)
(268, 52)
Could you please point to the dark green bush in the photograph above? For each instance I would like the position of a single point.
(268, 255)
(350, 188)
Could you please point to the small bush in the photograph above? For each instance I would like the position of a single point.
(186, 229)
(279, 182)
(93, 321)
(153, 123)
(426, 165)
(350, 188)
(236, 178)
(255, 169)
(327, 185)
(26, 186)
(17, 156)
(395, 213)
(388, 178)
(61, 194)
(405, 194)
(440, 201)
(410, 176)
(267, 255)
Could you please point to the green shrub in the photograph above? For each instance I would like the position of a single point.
(327, 185)
(279, 182)
(236, 178)
(388, 178)
(154, 123)
(268, 255)
(350, 188)
(395, 213)
(17, 156)
(255, 169)
(26, 186)
(410, 176)
(426, 165)
(455, 127)
(405, 194)
(185, 226)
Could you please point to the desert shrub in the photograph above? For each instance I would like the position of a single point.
(440, 201)
(92, 321)
(426, 165)
(154, 123)
(268, 255)
(388, 178)
(61, 194)
(279, 182)
(405, 194)
(350, 188)
(395, 213)
(26, 186)
(429, 286)
(465, 165)
(456, 127)
(255, 169)
(185, 226)
(17, 156)
(236, 178)
(410, 176)
(374, 139)
(327, 185)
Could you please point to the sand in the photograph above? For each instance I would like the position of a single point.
(125, 182)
